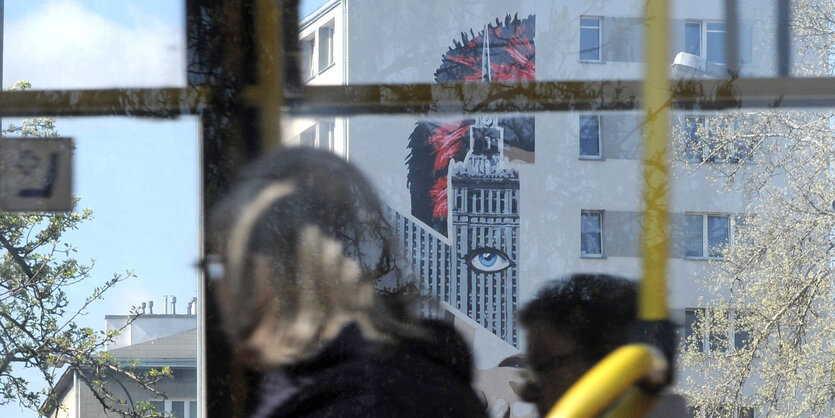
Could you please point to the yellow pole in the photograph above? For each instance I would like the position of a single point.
(268, 41)
(656, 91)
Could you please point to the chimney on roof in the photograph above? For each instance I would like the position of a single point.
(143, 308)
(173, 305)
(165, 305)
(150, 307)
(191, 308)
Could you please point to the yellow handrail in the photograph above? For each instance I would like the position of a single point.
(610, 378)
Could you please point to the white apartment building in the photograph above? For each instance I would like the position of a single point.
(150, 341)
(570, 195)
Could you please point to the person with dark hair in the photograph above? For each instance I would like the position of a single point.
(571, 325)
(304, 246)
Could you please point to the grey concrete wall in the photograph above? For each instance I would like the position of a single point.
(623, 39)
(621, 136)
(622, 234)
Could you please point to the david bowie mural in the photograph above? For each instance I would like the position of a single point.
(464, 192)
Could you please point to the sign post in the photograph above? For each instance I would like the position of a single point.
(36, 174)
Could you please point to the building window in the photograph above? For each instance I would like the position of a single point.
(707, 235)
(589, 39)
(591, 234)
(742, 338)
(709, 330)
(590, 136)
(723, 411)
(306, 58)
(715, 43)
(320, 135)
(325, 47)
(703, 141)
(694, 134)
(178, 409)
(308, 137)
(693, 38)
(707, 40)
(325, 140)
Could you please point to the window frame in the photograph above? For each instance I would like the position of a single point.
(696, 125)
(700, 38)
(745, 39)
(168, 406)
(599, 155)
(706, 248)
(731, 338)
(599, 213)
(599, 28)
(703, 31)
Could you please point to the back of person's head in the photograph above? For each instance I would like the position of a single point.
(571, 324)
(596, 310)
(304, 241)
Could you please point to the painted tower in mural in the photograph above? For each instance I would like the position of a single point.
(462, 237)
(484, 194)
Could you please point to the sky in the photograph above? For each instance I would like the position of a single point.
(307, 7)
(140, 176)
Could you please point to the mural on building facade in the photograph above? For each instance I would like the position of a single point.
(463, 188)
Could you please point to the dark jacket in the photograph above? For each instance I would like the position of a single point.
(355, 377)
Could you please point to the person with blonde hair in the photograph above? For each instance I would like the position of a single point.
(305, 259)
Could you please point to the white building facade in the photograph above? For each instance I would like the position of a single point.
(569, 195)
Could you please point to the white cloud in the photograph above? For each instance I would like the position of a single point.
(64, 45)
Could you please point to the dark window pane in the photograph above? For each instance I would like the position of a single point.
(306, 60)
(192, 409)
(741, 339)
(718, 340)
(693, 38)
(326, 135)
(716, 47)
(159, 406)
(590, 234)
(694, 236)
(693, 141)
(325, 47)
(308, 137)
(590, 136)
(178, 409)
(690, 321)
(746, 46)
(718, 233)
(590, 44)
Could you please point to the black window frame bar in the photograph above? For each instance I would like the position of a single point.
(425, 98)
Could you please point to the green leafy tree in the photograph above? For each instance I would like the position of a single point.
(38, 329)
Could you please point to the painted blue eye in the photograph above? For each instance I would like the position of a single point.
(488, 260)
